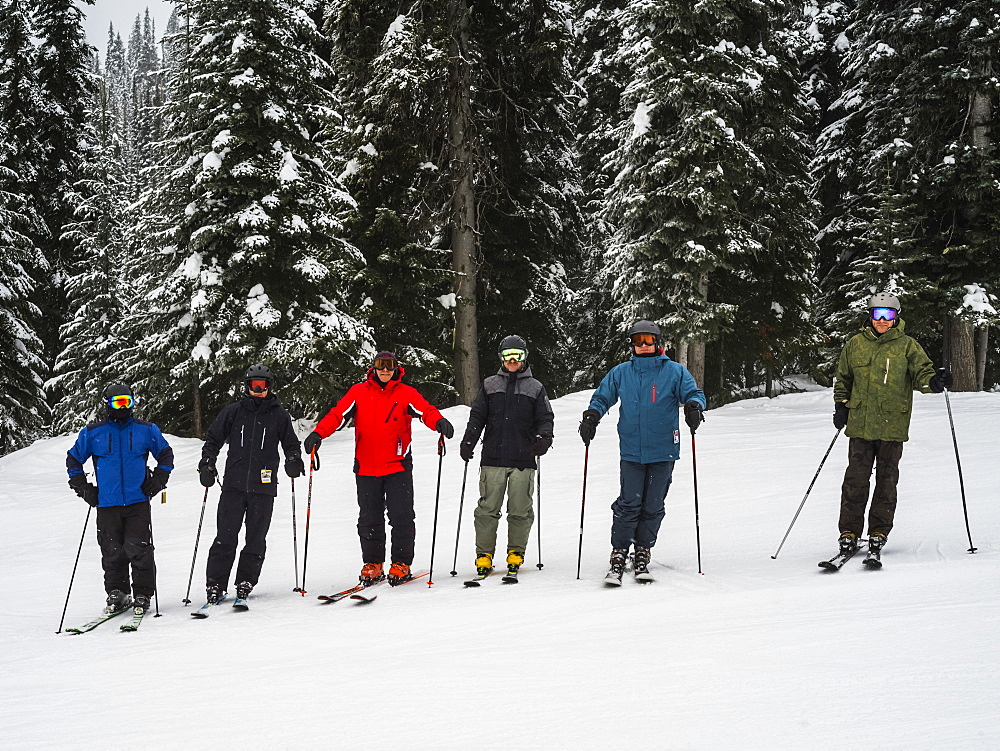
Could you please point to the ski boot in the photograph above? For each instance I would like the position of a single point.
(117, 601)
(484, 564)
(875, 545)
(848, 543)
(514, 560)
(213, 593)
(371, 573)
(141, 604)
(617, 570)
(243, 590)
(399, 573)
(640, 564)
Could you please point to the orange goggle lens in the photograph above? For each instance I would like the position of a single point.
(643, 339)
(258, 385)
(122, 401)
(384, 363)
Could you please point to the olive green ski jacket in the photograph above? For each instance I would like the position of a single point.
(876, 378)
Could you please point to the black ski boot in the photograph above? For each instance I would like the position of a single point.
(141, 604)
(640, 564)
(875, 545)
(117, 601)
(614, 576)
(213, 593)
(848, 543)
(243, 590)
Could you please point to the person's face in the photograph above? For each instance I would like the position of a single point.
(881, 326)
(258, 388)
(644, 349)
(512, 365)
(384, 372)
(644, 344)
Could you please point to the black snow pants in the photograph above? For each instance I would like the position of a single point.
(377, 496)
(234, 505)
(862, 456)
(125, 535)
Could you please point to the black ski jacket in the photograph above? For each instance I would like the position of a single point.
(253, 427)
(514, 409)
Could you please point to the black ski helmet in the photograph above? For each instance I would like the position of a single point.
(258, 373)
(117, 389)
(513, 342)
(644, 327)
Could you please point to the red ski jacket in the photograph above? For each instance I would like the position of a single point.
(381, 423)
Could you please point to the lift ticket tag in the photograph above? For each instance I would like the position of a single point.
(265, 476)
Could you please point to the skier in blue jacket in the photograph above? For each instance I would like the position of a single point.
(119, 446)
(651, 388)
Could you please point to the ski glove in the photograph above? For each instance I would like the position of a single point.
(312, 442)
(588, 425)
(467, 449)
(942, 380)
(156, 482)
(693, 415)
(840, 416)
(207, 473)
(294, 466)
(445, 428)
(87, 491)
(540, 445)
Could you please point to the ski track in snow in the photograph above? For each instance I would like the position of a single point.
(755, 653)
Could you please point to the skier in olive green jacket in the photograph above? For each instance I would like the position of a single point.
(878, 372)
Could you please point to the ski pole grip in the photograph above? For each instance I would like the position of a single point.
(314, 461)
(442, 450)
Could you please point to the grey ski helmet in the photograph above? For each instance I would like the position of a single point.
(644, 327)
(884, 300)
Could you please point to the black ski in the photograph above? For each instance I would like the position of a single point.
(479, 578)
(338, 596)
(874, 559)
(92, 624)
(837, 562)
(511, 576)
(133, 625)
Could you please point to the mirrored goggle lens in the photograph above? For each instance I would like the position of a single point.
(384, 363)
(515, 355)
(883, 314)
(123, 401)
(256, 385)
(643, 339)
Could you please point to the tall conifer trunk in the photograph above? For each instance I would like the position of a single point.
(463, 205)
(963, 361)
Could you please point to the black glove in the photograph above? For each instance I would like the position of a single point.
(540, 445)
(313, 441)
(588, 425)
(840, 413)
(87, 491)
(942, 380)
(445, 428)
(207, 473)
(693, 414)
(467, 449)
(156, 482)
(294, 466)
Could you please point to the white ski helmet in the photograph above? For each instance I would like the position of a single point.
(884, 300)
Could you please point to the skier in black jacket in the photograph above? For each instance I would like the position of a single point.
(253, 426)
(517, 415)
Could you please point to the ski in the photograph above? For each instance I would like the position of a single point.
(511, 576)
(338, 596)
(837, 562)
(479, 577)
(92, 624)
(873, 560)
(133, 625)
(365, 598)
(240, 604)
(205, 610)
(644, 578)
(612, 579)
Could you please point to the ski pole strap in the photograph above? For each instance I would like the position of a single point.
(314, 460)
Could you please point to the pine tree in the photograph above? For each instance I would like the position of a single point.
(247, 218)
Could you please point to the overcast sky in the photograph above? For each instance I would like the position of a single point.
(122, 14)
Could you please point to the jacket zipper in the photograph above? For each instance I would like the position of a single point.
(654, 392)
(121, 466)
(253, 432)
(390, 411)
(262, 438)
(886, 379)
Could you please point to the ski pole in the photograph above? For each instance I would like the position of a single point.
(583, 505)
(197, 538)
(808, 491)
(538, 522)
(295, 541)
(313, 466)
(73, 575)
(961, 481)
(461, 502)
(441, 452)
(697, 524)
(156, 589)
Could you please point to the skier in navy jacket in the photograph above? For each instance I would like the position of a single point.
(651, 388)
(119, 447)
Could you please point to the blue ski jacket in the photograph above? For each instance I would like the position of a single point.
(119, 451)
(651, 390)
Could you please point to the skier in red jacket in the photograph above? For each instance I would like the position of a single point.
(382, 407)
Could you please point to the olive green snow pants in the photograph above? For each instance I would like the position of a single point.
(519, 485)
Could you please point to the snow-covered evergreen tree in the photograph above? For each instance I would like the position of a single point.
(247, 218)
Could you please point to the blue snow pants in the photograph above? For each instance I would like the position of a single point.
(639, 509)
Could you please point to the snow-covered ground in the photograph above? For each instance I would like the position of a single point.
(756, 653)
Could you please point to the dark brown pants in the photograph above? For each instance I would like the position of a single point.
(862, 456)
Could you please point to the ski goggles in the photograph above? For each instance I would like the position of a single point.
(643, 340)
(257, 385)
(513, 355)
(122, 401)
(385, 363)
(883, 314)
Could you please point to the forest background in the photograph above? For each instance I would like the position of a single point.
(302, 183)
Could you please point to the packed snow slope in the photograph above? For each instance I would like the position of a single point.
(755, 653)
